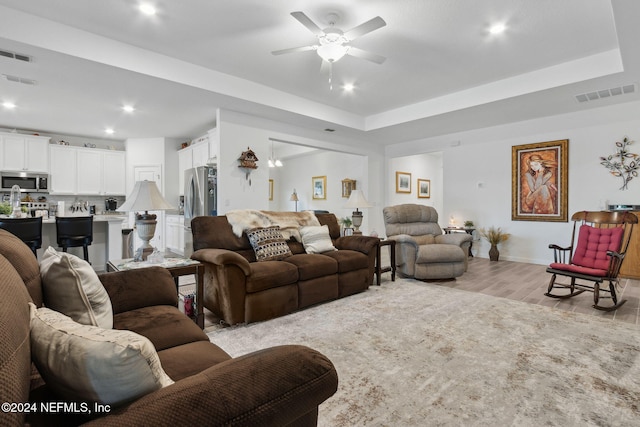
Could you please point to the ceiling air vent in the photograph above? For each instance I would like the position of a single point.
(14, 55)
(606, 93)
(16, 79)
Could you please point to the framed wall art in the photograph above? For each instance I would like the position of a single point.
(270, 189)
(348, 185)
(540, 181)
(403, 182)
(319, 187)
(424, 188)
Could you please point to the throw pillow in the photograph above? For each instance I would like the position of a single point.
(268, 243)
(88, 363)
(316, 239)
(71, 286)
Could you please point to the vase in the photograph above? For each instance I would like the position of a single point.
(494, 254)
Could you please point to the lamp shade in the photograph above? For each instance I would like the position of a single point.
(145, 197)
(294, 196)
(357, 200)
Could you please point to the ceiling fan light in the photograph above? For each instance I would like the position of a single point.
(271, 164)
(332, 52)
(278, 163)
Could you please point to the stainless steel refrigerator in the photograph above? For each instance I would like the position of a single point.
(200, 192)
(200, 198)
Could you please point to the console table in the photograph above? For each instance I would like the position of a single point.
(177, 267)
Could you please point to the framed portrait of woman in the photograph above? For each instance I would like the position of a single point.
(539, 181)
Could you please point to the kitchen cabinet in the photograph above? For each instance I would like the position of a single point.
(24, 153)
(87, 171)
(193, 156)
(175, 234)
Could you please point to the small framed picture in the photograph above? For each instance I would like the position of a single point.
(270, 189)
(319, 187)
(424, 188)
(403, 182)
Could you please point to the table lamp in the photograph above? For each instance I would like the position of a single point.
(145, 197)
(357, 200)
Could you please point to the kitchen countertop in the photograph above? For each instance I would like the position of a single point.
(96, 218)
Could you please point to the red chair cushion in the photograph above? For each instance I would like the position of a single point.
(593, 244)
(578, 269)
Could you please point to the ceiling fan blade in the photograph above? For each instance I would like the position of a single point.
(363, 54)
(293, 50)
(367, 27)
(307, 22)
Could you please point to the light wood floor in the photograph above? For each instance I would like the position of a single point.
(516, 281)
(529, 282)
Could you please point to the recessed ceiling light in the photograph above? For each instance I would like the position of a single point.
(497, 29)
(128, 108)
(109, 131)
(147, 9)
(348, 87)
(9, 105)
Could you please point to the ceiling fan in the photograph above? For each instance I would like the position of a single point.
(333, 43)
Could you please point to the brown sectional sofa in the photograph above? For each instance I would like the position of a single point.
(239, 289)
(276, 386)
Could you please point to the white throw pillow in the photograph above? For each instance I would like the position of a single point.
(88, 363)
(316, 239)
(72, 287)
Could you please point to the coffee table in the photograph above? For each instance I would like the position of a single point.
(178, 267)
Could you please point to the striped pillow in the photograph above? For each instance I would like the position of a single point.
(316, 239)
(268, 243)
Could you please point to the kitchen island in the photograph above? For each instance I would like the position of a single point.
(107, 239)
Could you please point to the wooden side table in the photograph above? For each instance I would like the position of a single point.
(177, 267)
(392, 255)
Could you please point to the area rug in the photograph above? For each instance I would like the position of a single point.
(410, 353)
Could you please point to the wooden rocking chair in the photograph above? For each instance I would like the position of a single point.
(602, 241)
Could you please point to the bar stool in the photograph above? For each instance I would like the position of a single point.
(29, 230)
(75, 231)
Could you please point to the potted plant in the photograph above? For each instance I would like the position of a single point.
(494, 236)
(346, 223)
(468, 224)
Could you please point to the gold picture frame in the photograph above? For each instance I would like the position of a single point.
(319, 187)
(540, 181)
(348, 185)
(270, 190)
(424, 188)
(403, 182)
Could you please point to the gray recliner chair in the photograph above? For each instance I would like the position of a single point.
(422, 251)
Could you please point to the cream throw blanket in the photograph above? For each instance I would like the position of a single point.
(244, 219)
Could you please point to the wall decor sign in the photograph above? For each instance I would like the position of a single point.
(403, 182)
(616, 163)
(270, 189)
(540, 181)
(319, 187)
(424, 188)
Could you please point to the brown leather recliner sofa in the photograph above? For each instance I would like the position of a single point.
(239, 289)
(276, 386)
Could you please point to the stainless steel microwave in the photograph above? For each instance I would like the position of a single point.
(28, 182)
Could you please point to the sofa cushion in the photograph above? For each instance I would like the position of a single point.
(316, 239)
(88, 363)
(21, 258)
(349, 260)
(441, 253)
(268, 243)
(311, 266)
(271, 274)
(72, 287)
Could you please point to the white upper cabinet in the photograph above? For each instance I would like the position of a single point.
(87, 171)
(24, 153)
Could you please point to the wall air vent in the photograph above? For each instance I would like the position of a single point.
(606, 93)
(14, 55)
(16, 79)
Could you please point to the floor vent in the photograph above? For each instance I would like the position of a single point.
(606, 93)
(14, 55)
(16, 79)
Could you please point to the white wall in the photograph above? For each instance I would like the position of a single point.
(337, 161)
(484, 157)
